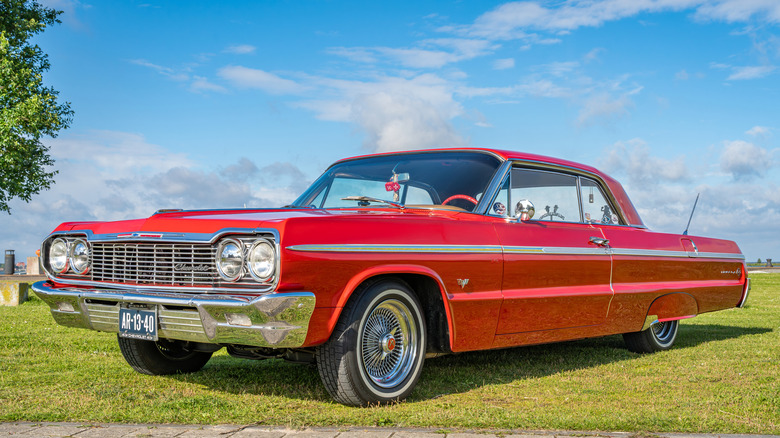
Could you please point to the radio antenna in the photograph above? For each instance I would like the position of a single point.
(685, 233)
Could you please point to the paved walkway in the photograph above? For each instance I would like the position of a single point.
(25, 429)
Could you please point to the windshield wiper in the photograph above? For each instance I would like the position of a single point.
(365, 201)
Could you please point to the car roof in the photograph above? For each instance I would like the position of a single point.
(629, 211)
(502, 154)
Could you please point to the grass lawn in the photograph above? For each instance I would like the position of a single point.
(723, 376)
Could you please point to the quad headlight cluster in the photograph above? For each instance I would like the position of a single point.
(235, 259)
(69, 255)
(259, 258)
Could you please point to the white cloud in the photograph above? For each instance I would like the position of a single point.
(427, 54)
(758, 131)
(394, 113)
(241, 49)
(663, 191)
(682, 75)
(511, 20)
(69, 9)
(201, 84)
(165, 71)
(603, 106)
(751, 72)
(593, 55)
(356, 54)
(400, 122)
(245, 77)
(545, 88)
(503, 64)
(740, 10)
(107, 175)
(519, 20)
(559, 68)
(744, 160)
(633, 158)
(419, 58)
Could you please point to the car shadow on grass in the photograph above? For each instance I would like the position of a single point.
(455, 373)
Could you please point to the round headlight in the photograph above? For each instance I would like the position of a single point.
(230, 259)
(58, 256)
(79, 256)
(262, 260)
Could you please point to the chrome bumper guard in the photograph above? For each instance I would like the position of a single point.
(271, 320)
(745, 294)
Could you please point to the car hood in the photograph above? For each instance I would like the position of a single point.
(213, 221)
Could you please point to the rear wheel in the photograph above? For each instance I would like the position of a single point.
(161, 357)
(660, 336)
(376, 352)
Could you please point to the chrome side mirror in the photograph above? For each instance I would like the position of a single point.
(524, 210)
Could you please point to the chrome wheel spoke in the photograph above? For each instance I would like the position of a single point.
(388, 339)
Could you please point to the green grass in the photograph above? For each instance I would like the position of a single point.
(723, 376)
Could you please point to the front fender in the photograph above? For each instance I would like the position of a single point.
(375, 271)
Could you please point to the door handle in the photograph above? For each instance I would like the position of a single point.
(600, 241)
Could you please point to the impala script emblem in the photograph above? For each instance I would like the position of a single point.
(191, 268)
(738, 272)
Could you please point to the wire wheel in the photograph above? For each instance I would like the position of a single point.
(664, 332)
(388, 343)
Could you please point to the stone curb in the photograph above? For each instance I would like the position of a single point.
(78, 430)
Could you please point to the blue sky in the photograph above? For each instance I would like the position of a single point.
(197, 104)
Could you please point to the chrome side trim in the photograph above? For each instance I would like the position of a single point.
(398, 248)
(277, 320)
(649, 253)
(679, 254)
(495, 249)
(556, 250)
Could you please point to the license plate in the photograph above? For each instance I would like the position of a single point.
(138, 323)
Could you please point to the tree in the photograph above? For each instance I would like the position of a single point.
(28, 109)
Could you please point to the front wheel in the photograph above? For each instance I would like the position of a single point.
(660, 336)
(376, 352)
(161, 357)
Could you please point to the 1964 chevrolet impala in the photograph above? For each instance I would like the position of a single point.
(386, 259)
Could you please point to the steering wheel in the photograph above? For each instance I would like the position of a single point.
(465, 197)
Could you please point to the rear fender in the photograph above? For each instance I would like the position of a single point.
(671, 307)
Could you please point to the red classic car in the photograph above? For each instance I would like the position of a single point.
(387, 259)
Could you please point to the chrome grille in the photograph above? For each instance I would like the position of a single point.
(164, 264)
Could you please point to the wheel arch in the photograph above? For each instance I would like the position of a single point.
(671, 307)
(425, 284)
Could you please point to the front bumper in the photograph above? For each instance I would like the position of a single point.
(271, 320)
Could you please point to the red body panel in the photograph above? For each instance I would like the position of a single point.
(503, 282)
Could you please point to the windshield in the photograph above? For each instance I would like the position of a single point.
(454, 179)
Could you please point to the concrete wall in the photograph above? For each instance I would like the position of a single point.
(13, 293)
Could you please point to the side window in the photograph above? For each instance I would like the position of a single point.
(595, 206)
(502, 201)
(554, 195)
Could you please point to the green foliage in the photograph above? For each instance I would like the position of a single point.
(28, 109)
(759, 261)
